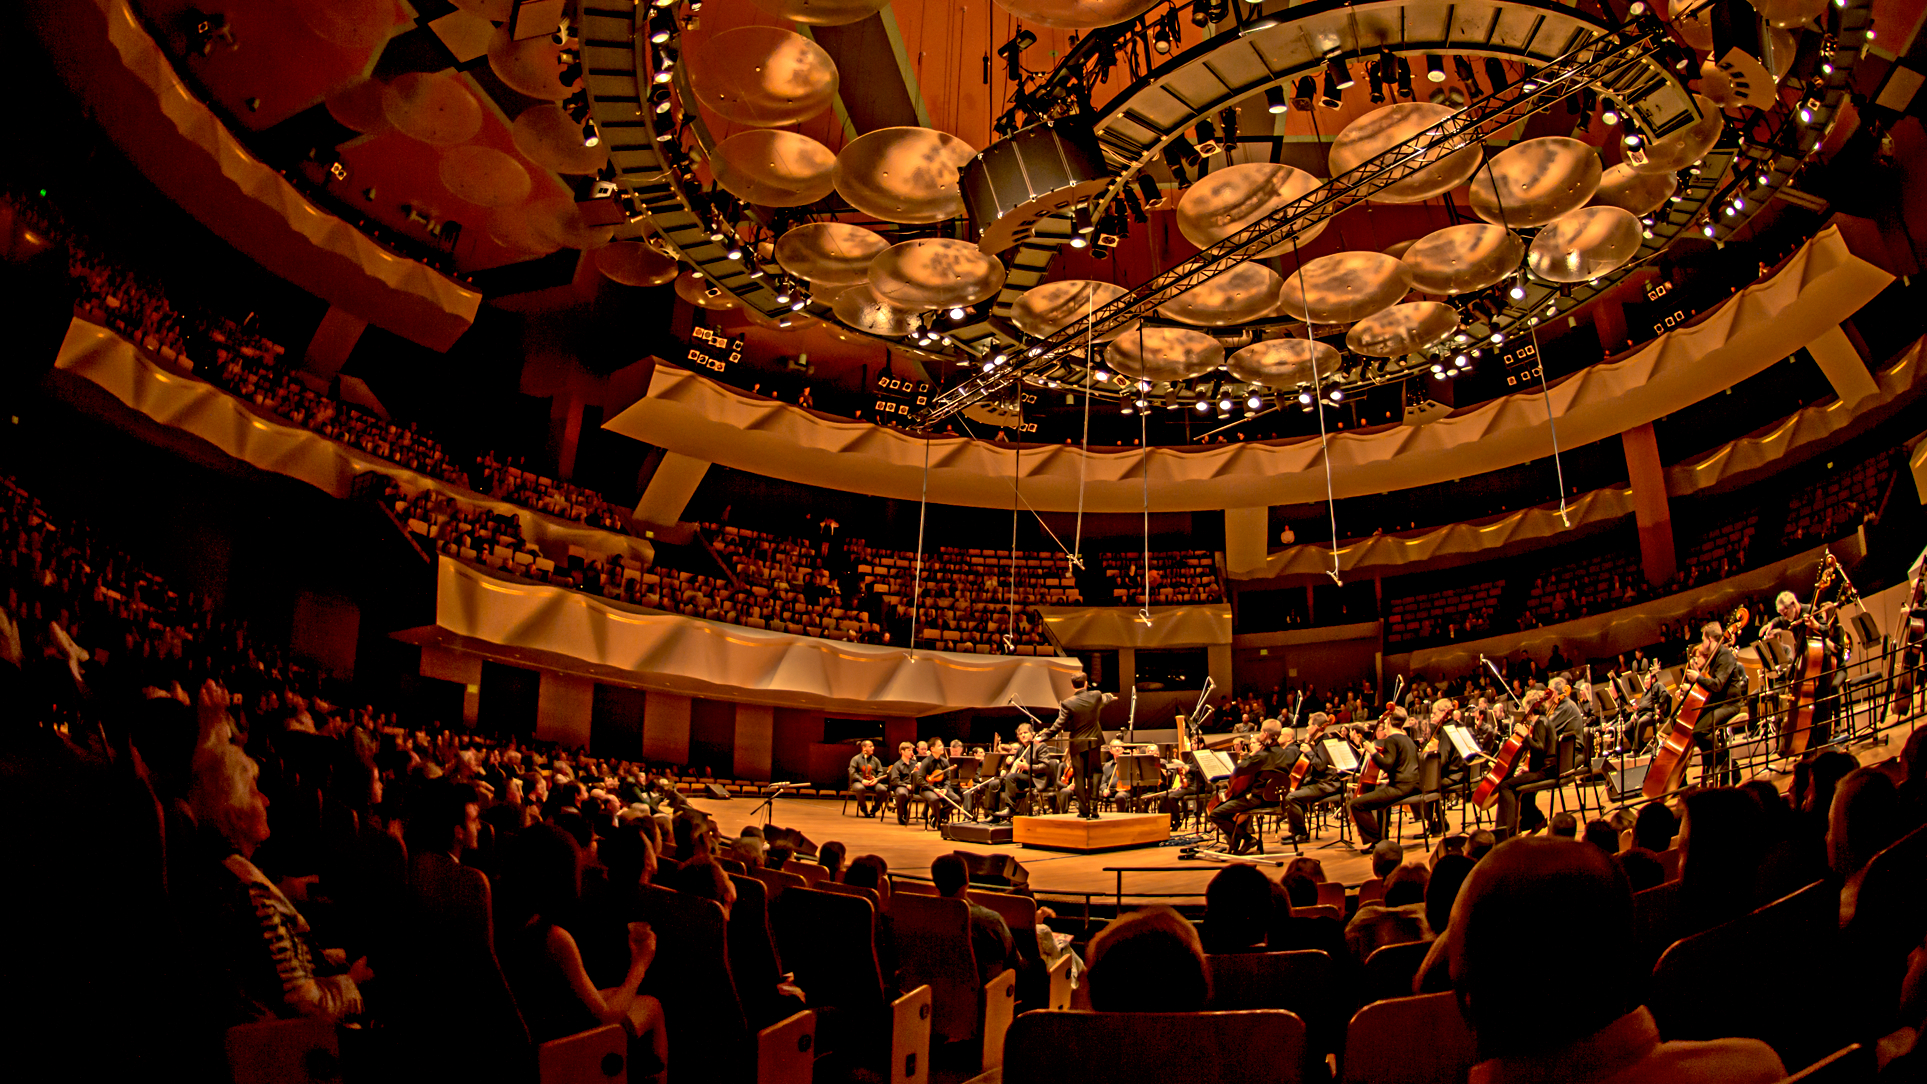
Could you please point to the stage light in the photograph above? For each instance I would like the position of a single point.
(1404, 78)
(1434, 68)
(1334, 95)
(956, 312)
(1078, 240)
(1518, 290)
(1467, 74)
(1304, 92)
(1340, 72)
(1012, 52)
(1338, 395)
(1609, 115)
(1148, 185)
(1254, 402)
(1204, 406)
(1304, 398)
(1081, 217)
(590, 136)
(1207, 133)
(1275, 99)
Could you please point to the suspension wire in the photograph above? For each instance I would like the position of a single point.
(1318, 408)
(1076, 560)
(916, 591)
(1538, 360)
(1144, 470)
(1016, 476)
(972, 433)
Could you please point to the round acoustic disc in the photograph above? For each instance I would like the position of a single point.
(704, 294)
(1344, 286)
(1229, 199)
(764, 75)
(1402, 329)
(1161, 354)
(1534, 182)
(351, 24)
(861, 308)
(515, 230)
(1461, 259)
(1045, 310)
(1238, 294)
(359, 106)
(1788, 14)
(830, 254)
(903, 174)
(935, 273)
(1584, 245)
(531, 67)
(772, 168)
(1641, 193)
(560, 220)
(1283, 363)
(1077, 14)
(634, 263)
(1684, 147)
(434, 107)
(1447, 163)
(546, 136)
(484, 176)
(823, 12)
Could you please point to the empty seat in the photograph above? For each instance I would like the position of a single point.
(1409, 1040)
(597, 1056)
(1257, 1046)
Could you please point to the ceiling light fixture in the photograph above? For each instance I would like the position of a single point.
(1340, 72)
(1434, 68)
(1274, 99)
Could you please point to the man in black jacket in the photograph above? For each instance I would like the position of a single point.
(1270, 762)
(1540, 744)
(866, 780)
(1397, 758)
(1724, 681)
(1079, 716)
(1319, 783)
(903, 780)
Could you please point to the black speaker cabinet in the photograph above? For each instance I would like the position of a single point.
(1017, 181)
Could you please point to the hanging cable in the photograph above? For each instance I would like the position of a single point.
(1318, 407)
(1016, 477)
(1076, 560)
(1058, 542)
(916, 590)
(1144, 470)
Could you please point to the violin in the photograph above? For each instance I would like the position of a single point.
(1667, 773)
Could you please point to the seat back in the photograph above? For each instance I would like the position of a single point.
(1848, 1065)
(904, 886)
(1059, 995)
(1389, 970)
(1018, 912)
(812, 873)
(1733, 980)
(451, 1008)
(829, 941)
(1409, 1040)
(299, 1051)
(1428, 774)
(776, 880)
(999, 1009)
(1256, 1046)
(691, 975)
(910, 1038)
(933, 948)
(1371, 891)
(1566, 758)
(1305, 982)
(753, 961)
(597, 1056)
(841, 889)
(786, 1050)
(1321, 910)
(1332, 894)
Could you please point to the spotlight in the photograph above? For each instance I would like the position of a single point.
(1495, 74)
(1340, 72)
(956, 312)
(660, 96)
(1434, 68)
(735, 250)
(1467, 75)
(797, 305)
(1012, 51)
(1254, 402)
(1609, 115)
(1404, 78)
(1304, 398)
(1632, 140)
(1228, 120)
(1518, 291)
(782, 293)
(1334, 94)
(590, 136)
(1166, 32)
(1181, 149)
(1148, 185)
(1204, 406)
(1200, 15)
(1082, 218)
(1304, 92)
(1378, 87)
(1274, 99)
(1338, 395)
(1207, 133)
(1078, 240)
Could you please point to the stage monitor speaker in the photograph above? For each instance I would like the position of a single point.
(1624, 777)
(715, 790)
(798, 842)
(996, 870)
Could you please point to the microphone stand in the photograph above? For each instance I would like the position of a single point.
(1503, 687)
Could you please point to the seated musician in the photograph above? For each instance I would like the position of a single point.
(1397, 758)
(1320, 781)
(1187, 781)
(1453, 769)
(1817, 622)
(1027, 773)
(866, 779)
(1108, 787)
(1271, 758)
(903, 780)
(1540, 744)
(1717, 670)
(935, 781)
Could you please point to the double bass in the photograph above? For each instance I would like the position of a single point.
(1368, 770)
(1904, 664)
(1812, 664)
(1667, 773)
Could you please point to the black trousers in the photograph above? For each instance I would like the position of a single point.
(1520, 813)
(869, 796)
(1228, 811)
(1709, 735)
(1172, 801)
(1088, 768)
(1302, 799)
(1365, 809)
(903, 795)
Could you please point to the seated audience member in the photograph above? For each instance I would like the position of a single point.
(1642, 868)
(540, 885)
(1300, 890)
(1720, 852)
(1441, 892)
(990, 937)
(1395, 920)
(1310, 867)
(1237, 909)
(705, 880)
(1601, 834)
(1565, 825)
(831, 857)
(1536, 892)
(1387, 856)
(628, 862)
(871, 872)
(778, 855)
(1654, 828)
(1862, 822)
(1480, 843)
(1148, 961)
(274, 963)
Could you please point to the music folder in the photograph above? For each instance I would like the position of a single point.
(1215, 765)
(1342, 757)
(1463, 741)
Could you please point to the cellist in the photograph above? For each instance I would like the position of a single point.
(1818, 621)
(1541, 742)
(1319, 783)
(1716, 669)
(1397, 758)
(1272, 755)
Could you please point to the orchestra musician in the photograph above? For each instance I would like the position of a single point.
(1452, 767)
(1079, 717)
(1029, 772)
(866, 779)
(1108, 787)
(1716, 669)
(1276, 751)
(1397, 758)
(1320, 782)
(929, 782)
(1187, 781)
(903, 780)
(1819, 622)
(1540, 744)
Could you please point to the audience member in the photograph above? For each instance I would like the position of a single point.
(1148, 961)
(1238, 909)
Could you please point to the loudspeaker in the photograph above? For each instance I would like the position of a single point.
(996, 870)
(798, 842)
(1623, 777)
(715, 790)
(968, 832)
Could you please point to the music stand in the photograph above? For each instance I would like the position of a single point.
(1215, 765)
(1467, 746)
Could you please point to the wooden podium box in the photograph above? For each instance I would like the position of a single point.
(1112, 831)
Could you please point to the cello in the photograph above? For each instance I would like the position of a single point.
(1506, 759)
(1904, 664)
(1368, 769)
(1245, 776)
(1667, 772)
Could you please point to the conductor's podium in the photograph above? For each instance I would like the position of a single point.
(1110, 832)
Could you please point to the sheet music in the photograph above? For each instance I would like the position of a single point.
(1463, 741)
(1215, 765)
(1342, 757)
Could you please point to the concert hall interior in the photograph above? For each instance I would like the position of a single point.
(788, 541)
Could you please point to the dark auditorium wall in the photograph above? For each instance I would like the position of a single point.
(712, 736)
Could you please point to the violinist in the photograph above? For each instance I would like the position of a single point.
(1540, 744)
(1319, 783)
(1820, 623)
(866, 779)
(1716, 669)
(1274, 755)
(1108, 787)
(936, 780)
(1452, 767)
(1396, 755)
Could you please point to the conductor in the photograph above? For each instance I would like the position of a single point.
(1078, 717)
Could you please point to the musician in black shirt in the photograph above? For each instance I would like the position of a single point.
(866, 780)
(903, 780)
(1320, 781)
(1816, 622)
(1187, 781)
(1540, 743)
(1397, 758)
(1268, 764)
(1724, 680)
(932, 786)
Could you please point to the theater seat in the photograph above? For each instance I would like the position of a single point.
(1258, 1046)
(1409, 1040)
(597, 1056)
(300, 1051)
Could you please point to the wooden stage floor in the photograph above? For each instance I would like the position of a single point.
(910, 849)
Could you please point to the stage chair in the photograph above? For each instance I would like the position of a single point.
(1730, 981)
(1332, 894)
(1306, 982)
(1428, 793)
(587, 1057)
(1258, 1046)
(299, 1051)
(1389, 970)
(1849, 1065)
(786, 1050)
(1565, 763)
(1408, 1040)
